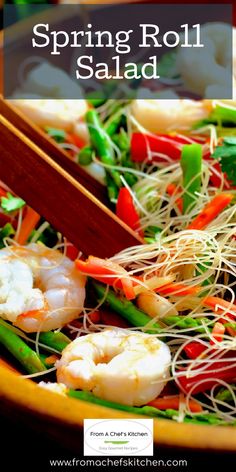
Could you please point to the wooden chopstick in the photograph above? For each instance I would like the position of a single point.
(58, 197)
(35, 134)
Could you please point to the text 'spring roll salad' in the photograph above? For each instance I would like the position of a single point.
(151, 330)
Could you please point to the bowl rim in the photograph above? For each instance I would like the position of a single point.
(25, 394)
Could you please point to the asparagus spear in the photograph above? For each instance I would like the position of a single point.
(205, 418)
(89, 397)
(186, 322)
(19, 349)
(101, 142)
(85, 156)
(55, 340)
(126, 309)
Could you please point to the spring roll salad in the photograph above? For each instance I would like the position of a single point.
(151, 330)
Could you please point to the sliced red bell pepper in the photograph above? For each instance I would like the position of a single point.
(219, 305)
(194, 349)
(107, 272)
(141, 144)
(169, 144)
(126, 210)
(210, 376)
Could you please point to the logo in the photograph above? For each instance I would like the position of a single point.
(116, 437)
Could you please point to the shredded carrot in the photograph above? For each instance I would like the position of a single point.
(28, 225)
(105, 271)
(219, 304)
(50, 360)
(211, 211)
(230, 330)
(217, 333)
(172, 189)
(177, 289)
(173, 403)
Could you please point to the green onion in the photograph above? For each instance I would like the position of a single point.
(191, 164)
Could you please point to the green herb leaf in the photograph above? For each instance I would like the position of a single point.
(226, 155)
(11, 203)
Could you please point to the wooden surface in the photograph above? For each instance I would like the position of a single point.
(59, 198)
(48, 145)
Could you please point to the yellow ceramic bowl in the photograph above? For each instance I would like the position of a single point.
(62, 418)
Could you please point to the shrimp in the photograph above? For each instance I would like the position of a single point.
(118, 365)
(40, 289)
(207, 71)
(43, 81)
(56, 113)
(160, 116)
(54, 387)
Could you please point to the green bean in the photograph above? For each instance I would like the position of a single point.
(85, 156)
(101, 142)
(191, 164)
(54, 340)
(19, 349)
(126, 309)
